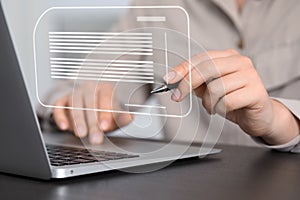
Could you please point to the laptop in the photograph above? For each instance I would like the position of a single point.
(27, 151)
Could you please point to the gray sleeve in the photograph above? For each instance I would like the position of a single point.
(292, 146)
(58, 91)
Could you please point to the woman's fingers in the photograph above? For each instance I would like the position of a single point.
(84, 118)
(110, 121)
(183, 69)
(209, 70)
(77, 116)
(204, 73)
(233, 101)
(106, 103)
(220, 87)
(60, 115)
(96, 135)
(124, 119)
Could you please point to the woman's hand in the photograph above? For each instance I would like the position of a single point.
(90, 123)
(229, 85)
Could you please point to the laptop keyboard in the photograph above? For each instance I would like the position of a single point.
(62, 155)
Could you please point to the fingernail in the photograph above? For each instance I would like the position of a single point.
(104, 124)
(176, 95)
(81, 131)
(170, 76)
(63, 125)
(96, 138)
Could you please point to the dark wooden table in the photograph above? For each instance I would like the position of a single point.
(237, 173)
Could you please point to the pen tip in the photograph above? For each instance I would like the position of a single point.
(160, 89)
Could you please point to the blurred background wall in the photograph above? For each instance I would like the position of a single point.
(22, 17)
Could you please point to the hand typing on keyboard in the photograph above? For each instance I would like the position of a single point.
(90, 123)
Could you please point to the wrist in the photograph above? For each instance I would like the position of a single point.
(285, 126)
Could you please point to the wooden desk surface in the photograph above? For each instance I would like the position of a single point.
(237, 173)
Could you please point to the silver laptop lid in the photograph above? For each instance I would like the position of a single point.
(22, 151)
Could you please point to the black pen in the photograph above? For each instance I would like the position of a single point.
(164, 88)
